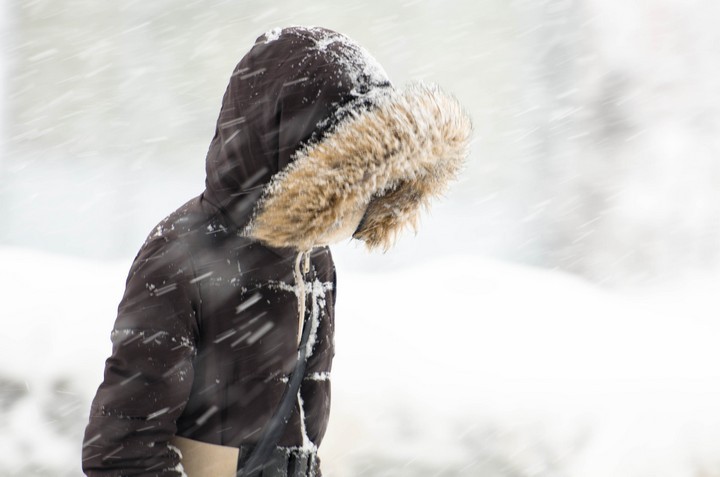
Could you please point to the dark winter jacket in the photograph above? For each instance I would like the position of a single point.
(312, 145)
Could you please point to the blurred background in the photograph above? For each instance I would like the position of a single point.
(563, 293)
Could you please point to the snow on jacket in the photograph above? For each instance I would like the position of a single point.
(313, 144)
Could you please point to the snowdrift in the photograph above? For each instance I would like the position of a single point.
(460, 366)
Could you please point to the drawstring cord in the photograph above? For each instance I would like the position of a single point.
(262, 452)
(303, 258)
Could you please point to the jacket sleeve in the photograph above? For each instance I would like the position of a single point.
(149, 375)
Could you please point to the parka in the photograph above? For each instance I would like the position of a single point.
(313, 144)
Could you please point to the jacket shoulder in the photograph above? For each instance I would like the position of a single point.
(184, 220)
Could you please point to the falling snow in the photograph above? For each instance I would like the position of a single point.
(595, 154)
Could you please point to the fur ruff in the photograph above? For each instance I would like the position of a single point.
(370, 177)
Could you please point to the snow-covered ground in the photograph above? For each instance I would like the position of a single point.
(461, 366)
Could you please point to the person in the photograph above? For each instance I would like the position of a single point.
(313, 145)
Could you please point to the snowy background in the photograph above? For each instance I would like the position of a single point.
(556, 315)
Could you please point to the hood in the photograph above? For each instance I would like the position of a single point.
(314, 145)
(286, 91)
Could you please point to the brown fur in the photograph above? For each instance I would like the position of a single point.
(382, 165)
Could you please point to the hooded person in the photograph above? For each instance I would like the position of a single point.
(313, 145)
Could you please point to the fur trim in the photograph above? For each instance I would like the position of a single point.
(368, 178)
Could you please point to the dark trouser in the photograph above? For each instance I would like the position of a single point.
(285, 462)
